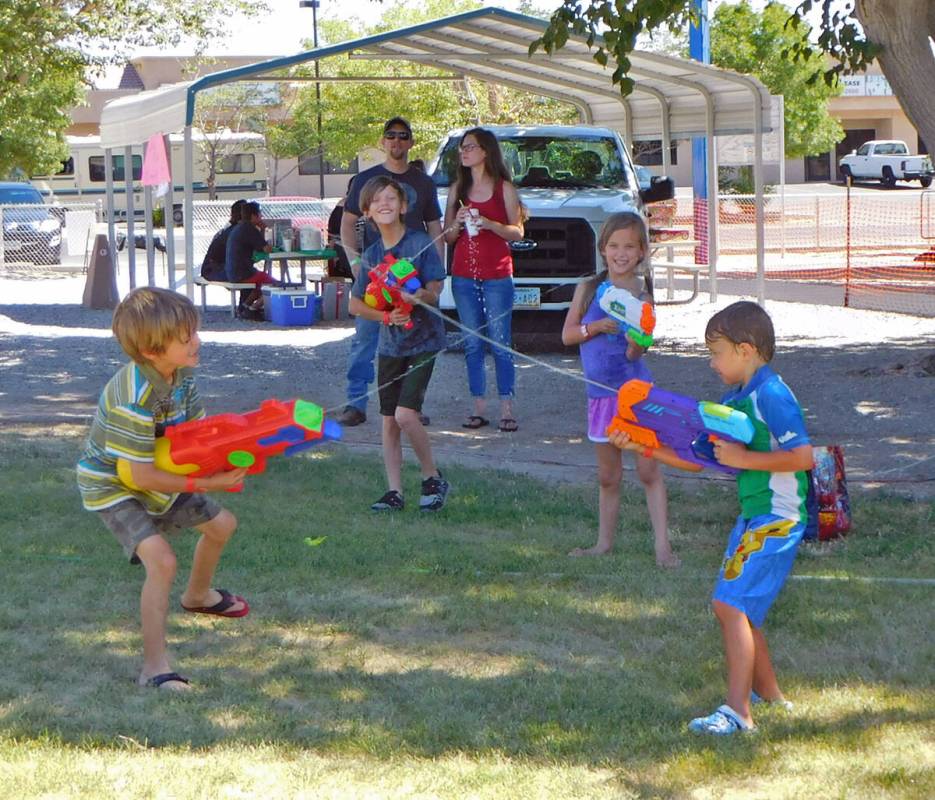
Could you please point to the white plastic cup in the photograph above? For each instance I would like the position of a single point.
(470, 222)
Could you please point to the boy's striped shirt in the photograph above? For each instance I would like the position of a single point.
(135, 407)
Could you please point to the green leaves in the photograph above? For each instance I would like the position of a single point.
(621, 21)
(781, 56)
(49, 49)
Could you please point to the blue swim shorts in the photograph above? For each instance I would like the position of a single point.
(757, 562)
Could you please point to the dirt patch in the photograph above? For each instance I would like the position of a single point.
(873, 397)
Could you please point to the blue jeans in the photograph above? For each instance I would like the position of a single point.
(486, 307)
(360, 371)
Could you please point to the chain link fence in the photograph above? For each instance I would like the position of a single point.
(849, 248)
(38, 235)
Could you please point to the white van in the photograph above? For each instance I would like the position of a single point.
(241, 170)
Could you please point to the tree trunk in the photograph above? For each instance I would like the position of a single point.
(902, 28)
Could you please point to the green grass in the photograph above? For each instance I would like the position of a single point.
(456, 655)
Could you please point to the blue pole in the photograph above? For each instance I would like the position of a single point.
(699, 49)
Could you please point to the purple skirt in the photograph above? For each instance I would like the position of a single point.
(601, 411)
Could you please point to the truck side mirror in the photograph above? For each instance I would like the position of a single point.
(660, 188)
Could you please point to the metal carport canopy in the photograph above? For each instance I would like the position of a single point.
(672, 98)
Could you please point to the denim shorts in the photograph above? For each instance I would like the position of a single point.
(129, 522)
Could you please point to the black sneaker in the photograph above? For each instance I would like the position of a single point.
(351, 416)
(434, 492)
(391, 501)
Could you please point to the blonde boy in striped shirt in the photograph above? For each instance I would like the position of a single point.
(158, 329)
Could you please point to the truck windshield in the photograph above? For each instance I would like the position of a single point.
(549, 162)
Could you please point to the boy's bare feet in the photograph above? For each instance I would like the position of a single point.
(170, 681)
(597, 550)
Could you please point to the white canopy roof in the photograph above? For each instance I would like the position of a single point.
(673, 98)
(133, 119)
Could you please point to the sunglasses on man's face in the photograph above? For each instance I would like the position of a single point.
(403, 135)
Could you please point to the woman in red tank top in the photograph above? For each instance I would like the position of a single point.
(484, 214)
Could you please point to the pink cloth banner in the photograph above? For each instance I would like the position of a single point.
(156, 170)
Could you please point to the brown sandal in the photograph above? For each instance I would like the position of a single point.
(475, 421)
(509, 425)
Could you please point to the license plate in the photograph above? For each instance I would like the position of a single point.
(12, 244)
(526, 297)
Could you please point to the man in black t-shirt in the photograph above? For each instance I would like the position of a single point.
(244, 240)
(213, 267)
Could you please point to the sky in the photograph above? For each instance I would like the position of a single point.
(286, 27)
(282, 31)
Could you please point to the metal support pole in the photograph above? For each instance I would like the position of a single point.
(847, 248)
(313, 4)
(131, 213)
(758, 189)
(169, 205)
(111, 211)
(189, 217)
(782, 174)
(713, 199)
(150, 249)
(321, 145)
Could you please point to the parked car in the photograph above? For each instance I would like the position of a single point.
(886, 161)
(32, 231)
(571, 178)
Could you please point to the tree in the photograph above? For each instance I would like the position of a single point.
(898, 33)
(49, 47)
(220, 111)
(353, 112)
(746, 41)
(34, 102)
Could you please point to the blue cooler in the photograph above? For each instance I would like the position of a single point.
(267, 292)
(291, 307)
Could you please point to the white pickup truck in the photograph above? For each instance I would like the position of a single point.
(886, 161)
(570, 178)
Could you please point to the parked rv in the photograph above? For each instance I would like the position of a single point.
(241, 169)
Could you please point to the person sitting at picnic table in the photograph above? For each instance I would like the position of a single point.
(214, 268)
(244, 240)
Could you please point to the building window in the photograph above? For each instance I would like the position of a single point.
(236, 164)
(649, 153)
(96, 168)
(310, 166)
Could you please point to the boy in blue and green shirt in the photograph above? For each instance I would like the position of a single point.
(773, 486)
